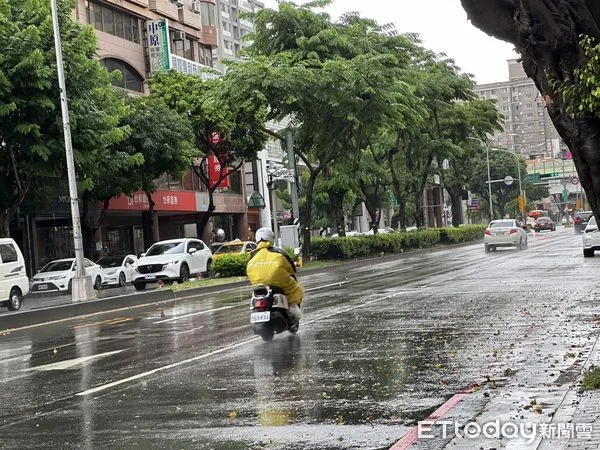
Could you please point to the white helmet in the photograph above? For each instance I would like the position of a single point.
(264, 234)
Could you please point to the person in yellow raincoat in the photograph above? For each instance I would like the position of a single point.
(271, 266)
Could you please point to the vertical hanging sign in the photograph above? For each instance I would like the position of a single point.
(158, 45)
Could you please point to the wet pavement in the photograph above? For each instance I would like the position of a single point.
(380, 348)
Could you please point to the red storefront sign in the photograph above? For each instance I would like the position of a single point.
(215, 171)
(164, 201)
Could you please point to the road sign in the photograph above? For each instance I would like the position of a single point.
(508, 180)
(575, 181)
(565, 195)
(534, 178)
(521, 203)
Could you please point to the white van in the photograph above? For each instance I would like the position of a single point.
(14, 284)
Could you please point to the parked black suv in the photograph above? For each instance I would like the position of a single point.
(581, 220)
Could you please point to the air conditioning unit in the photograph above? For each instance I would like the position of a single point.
(178, 3)
(178, 35)
(196, 6)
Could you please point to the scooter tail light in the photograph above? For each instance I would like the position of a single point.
(260, 303)
(488, 233)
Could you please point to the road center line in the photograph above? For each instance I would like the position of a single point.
(199, 313)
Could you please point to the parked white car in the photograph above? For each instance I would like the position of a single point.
(591, 238)
(14, 284)
(117, 270)
(504, 233)
(173, 260)
(57, 276)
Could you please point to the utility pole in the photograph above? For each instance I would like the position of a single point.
(81, 283)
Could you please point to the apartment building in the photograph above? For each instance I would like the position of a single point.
(233, 28)
(527, 126)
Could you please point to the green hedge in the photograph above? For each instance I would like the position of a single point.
(231, 265)
(363, 246)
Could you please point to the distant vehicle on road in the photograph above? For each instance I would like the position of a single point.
(57, 276)
(117, 270)
(14, 284)
(504, 233)
(544, 223)
(173, 260)
(581, 220)
(591, 238)
(235, 248)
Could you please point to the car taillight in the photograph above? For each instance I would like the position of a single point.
(513, 231)
(578, 220)
(488, 233)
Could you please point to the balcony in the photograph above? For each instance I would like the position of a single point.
(228, 51)
(190, 18)
(245, 5)
(209, 36)
(227, 33)
(225, 14)
(164, 8)
(183, 65)
(246, 23)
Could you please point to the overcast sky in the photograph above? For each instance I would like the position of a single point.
(443, 27)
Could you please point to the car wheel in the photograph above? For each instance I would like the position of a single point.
(98, 283)
(487, 248)
(139, 286)
(588, 253)
(184, 273)
(209, 270)
(70, 287)
(14, 300)
(122, 280)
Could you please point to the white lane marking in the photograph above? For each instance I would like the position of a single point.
(189, 331)
(199, 313)
(318, 288)
(70, 363)
(163, 368)
(215, 352)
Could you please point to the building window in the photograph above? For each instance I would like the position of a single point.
(183, 47)
(114, 22)
(504, 99)
(205, 55)
(505, 108)
(130, 78)
(207, 11)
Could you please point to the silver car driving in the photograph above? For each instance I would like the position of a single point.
(591, 238)
(504, 233)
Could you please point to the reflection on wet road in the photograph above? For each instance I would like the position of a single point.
(380, 350)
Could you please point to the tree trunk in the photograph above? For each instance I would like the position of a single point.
(456, 198)
(401, 213)
(151, 234)
(87, 230)
(205, 217)
(306, 214)
(546, 33)
(5, 224)
(419, 211)
(336, 208)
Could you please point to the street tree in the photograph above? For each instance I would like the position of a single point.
(160, 141)
(30, 119)
(337, 82)
(227, 125)
(552, 38)
(463, 121)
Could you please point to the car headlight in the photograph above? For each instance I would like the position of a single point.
(111, 272)
(60, 277)
(172, 263)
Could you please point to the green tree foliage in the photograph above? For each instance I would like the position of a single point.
(226, 125)
(160, 141)
(30, 117)
(338, 82)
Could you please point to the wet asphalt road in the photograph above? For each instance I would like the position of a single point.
(378, 350)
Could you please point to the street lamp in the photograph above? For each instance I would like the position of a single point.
(82, 284)
(487, 156)
(519, 172)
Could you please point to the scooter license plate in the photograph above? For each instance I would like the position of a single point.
(260, 317)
